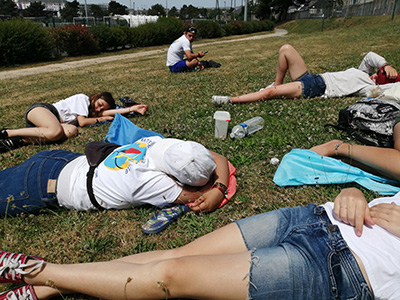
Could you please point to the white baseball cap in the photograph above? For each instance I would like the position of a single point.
(189, 162)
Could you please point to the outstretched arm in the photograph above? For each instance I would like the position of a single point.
(139, 108)
(351, 207)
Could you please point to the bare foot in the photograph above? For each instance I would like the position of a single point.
(327, 149)
(140, 108)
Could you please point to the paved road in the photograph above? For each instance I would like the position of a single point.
(91, 61)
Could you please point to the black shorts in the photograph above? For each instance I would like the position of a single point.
(48, 106)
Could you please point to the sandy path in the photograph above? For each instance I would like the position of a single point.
(56, 67)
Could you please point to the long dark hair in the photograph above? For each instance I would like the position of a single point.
(106, 96)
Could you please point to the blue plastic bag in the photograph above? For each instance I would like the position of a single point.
(305, 167)
(123, 132)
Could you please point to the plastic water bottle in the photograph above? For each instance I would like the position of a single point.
(247, 127)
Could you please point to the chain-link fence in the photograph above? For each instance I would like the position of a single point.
(351, 8)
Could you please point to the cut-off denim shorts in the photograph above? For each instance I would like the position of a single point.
(48, 106)
(298, 254)
(313, 85)
(23, 188)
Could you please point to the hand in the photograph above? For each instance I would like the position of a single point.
(351, 208)
(207, 202)
(391, 72)
(387, 216)
(200, 54)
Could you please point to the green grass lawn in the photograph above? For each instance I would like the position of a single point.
(180, 107)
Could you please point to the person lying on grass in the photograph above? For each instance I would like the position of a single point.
(343, 250)
(151, 170)
(352, 81)
(382, 161)
(55, 122)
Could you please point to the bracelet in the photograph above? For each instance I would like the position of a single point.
(222, 187)
(386, 64)
(97, 121)
(337, 147)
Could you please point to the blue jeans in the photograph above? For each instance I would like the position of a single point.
(23, 188)
(298, 254)
(313, 85)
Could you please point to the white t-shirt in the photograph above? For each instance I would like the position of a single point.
(71, 107)
(379, 251)
(177, 50)
(355, 81)
(125, 179)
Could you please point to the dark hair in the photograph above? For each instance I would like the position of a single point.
(191, 29)
(106, 96)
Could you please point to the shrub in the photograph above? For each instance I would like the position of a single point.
(24, 42)
(209, 29)
(104, 36)
(164, 31)
(75, 40)
(233, 28)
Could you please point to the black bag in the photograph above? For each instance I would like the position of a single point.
(95, 153)
(370, 121)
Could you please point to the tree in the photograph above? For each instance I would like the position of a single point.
(8, 8)
(157, 10)
(70, 10)
(116, 8)
(173, 12)
(280, 7)
(98, 11)
(35, 9)
(189, 12)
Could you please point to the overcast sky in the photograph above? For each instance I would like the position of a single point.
(145, 4)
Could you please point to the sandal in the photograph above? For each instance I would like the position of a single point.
(164, 218)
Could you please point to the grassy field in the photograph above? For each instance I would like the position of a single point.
(180, 107)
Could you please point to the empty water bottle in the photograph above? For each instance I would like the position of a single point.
(248, 127)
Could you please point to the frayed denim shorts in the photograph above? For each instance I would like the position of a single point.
(48, 106)
(313, 85)
(298, 254)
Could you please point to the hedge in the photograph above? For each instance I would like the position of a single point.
(24, 41)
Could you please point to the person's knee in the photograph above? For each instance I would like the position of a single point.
(172, 272)
(54, 134)
(70, 130)
(286, 48)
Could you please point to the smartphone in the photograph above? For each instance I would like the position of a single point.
(205, 52)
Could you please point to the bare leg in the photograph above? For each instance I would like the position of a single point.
(289, 90)
(49, 128)
(226, 240)
(212, 270)
(289, 61)
(384, 161)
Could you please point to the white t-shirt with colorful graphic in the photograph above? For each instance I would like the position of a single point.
(177, 50)
(71, 107)
(125, 179)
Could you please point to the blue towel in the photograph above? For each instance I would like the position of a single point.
(123, 132)
(303, 167)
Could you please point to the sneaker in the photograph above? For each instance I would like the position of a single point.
(3, 134)
(25, 292)
(219, 100)
(163, 219)
(12, 265)
(268, 86)
(10, 143)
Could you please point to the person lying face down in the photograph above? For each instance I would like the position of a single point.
(145, 172)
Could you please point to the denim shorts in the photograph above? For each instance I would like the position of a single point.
(23, 188)
(49, 106)
(179, 67)
(298, 254)
(313, 85)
